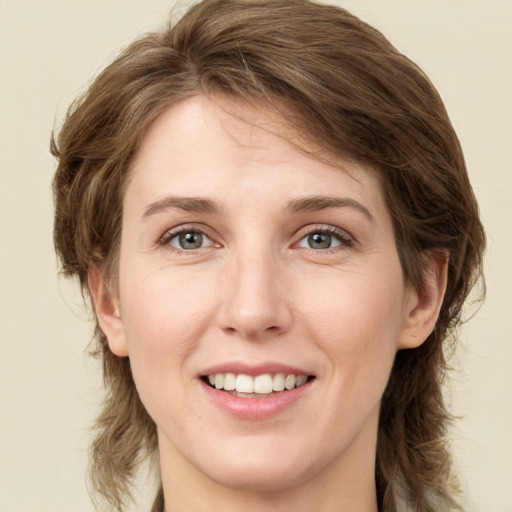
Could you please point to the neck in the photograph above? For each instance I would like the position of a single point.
(300, 500)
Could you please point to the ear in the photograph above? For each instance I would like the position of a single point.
(423, 306)
(107, 312)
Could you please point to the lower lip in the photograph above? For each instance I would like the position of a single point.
(255, 408)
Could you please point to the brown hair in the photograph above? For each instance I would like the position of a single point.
(358, 97)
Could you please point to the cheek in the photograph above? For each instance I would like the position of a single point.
(165, 314)
(357, 325)
(357, 308)
(165, 304)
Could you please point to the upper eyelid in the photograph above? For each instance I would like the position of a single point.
(202, 228)
(327, 228)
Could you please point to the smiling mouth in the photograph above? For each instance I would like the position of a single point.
(259, 386)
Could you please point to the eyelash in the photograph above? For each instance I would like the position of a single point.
(166, 239)
(340, 235)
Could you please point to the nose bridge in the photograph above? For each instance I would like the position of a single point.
(254, 303)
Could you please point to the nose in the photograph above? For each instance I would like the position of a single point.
(254, 299)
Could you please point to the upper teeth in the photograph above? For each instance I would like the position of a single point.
(261, 384)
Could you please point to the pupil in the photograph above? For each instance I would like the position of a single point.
(191, 240)
(319, 241)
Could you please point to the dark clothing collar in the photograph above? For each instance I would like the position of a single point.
(158, 505)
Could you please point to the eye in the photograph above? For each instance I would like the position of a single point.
(188, 240)
(319, 240)
(324, 239)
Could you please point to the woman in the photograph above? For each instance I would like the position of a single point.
(270, 211)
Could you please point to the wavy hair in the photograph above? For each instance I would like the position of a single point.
(347, 87)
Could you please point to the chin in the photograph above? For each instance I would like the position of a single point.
(261, 470)
(256, 478)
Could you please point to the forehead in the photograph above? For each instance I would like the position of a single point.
(200, 144)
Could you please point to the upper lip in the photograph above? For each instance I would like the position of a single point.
(240, 367)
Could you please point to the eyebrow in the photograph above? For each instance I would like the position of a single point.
(317, 203)
(188, 204)
(299, 205)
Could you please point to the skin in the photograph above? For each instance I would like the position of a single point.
(256, 291)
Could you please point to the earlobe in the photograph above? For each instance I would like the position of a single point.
(423, 306)
(107, 312)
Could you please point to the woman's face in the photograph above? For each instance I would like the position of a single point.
(242, 256)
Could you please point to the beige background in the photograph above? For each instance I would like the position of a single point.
(49, 388)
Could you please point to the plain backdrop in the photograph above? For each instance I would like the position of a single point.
(50, 389)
